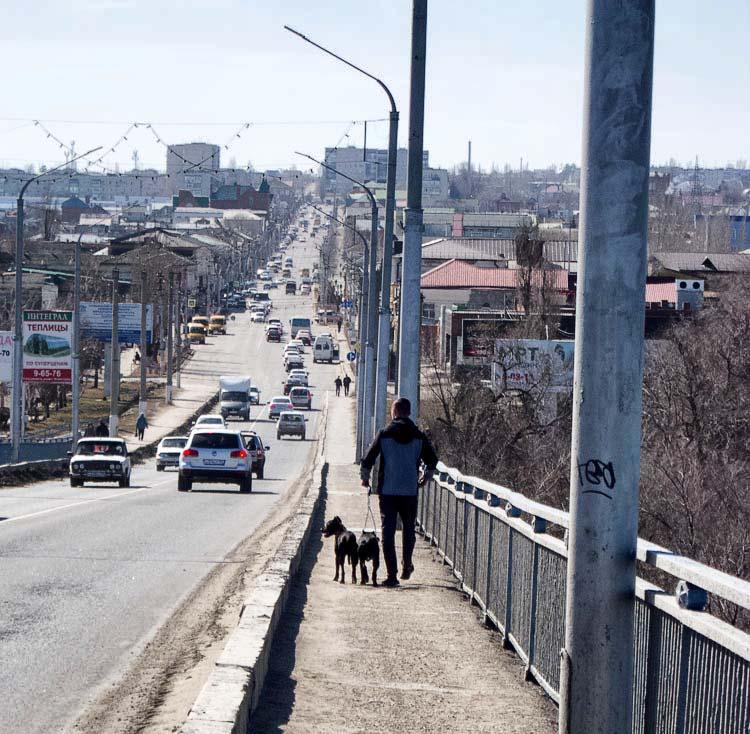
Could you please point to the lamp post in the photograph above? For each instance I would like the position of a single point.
(384, 313)
(17, 401)
(368, 386)
(114, 359)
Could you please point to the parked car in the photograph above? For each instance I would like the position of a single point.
(301, 397)
(99, 460)
(277, 405)
(209, 421)
(254, 445)
(215, 456)
(290, 423)
(168, 452)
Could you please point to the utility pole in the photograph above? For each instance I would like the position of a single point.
(178, 330)
(143, 399)
(114, 371)
(75, 413)
(597, 661)
(410, 320)
(170, 335)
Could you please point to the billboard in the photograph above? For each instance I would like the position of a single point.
(95, 319)
(47, 346)
(6, 356)
(524, 364)
(479, 336)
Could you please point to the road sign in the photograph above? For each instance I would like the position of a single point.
(96, 321)
(351, 356)
(47, 346)
(192, 302)
(347, 303)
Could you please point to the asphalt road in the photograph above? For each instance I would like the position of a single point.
(88, 575)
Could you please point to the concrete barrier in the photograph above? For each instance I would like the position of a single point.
(231, 693)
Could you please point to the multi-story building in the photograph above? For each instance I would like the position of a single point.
(364, 165)
(206, 159)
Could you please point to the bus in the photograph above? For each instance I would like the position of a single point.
(298, 323)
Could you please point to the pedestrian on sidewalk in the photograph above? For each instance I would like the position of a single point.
(140, 426)
(402, 448)
(337, 382)
(339, 321)
(347, 382)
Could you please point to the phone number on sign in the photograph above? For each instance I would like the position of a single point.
(33, 374)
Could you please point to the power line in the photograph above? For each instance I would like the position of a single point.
(164, 123)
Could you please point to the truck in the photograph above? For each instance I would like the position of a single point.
(234, 396)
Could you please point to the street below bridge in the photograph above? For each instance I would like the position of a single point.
(91, 575)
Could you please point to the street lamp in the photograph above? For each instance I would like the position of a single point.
(17, 416)
(384, 314)
(368, 387)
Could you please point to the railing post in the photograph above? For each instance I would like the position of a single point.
(510, 511)
(539, 525)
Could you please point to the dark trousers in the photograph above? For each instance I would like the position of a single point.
(346, 388)
(391, 507)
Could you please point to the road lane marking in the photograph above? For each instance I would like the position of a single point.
(82, 502)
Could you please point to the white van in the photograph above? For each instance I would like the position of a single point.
(323, 349)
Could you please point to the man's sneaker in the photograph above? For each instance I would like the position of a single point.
(407, 572)
(390, 582)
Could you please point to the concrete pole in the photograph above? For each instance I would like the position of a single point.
(114, 370)
(16, 426)
(597, 661)
(362, 338)
(170, 337)
(178, 331)
(75, 413)
(368, 395)
(143, 397)
(384, 315)
(411, 317)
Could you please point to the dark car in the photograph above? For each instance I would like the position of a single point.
(290, 382)
(294, 363)
(273, 335)
(291, 288)
(257, 450)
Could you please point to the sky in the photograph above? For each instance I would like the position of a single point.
(506, 75)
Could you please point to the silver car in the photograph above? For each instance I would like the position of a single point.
(291, 423)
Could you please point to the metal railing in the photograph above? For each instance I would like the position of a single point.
(692, 670)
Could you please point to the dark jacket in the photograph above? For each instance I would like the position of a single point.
(401, 447)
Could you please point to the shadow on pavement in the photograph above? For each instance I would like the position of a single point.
(277, 698)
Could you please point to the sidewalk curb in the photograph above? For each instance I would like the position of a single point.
(233, 688)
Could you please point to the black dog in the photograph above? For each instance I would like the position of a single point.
(345, 547)
(369, 550)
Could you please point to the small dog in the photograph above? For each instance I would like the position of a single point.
(345, 547)
(369, 550)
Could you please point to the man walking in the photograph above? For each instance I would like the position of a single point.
(402, 447)
(347, 382)
(140, 426)
(337, 382)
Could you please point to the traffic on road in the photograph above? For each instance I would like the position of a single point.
(96, 562)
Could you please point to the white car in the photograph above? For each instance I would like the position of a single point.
(257, 317)
(215, 456)
(301, 376)
(168, 451)
(100, 460)
(209, 421)
(278, 405)
(291, 349)
(299, 344)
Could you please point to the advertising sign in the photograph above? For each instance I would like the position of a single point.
(523, 364)
(47, 346)
(6, 356)
(96, 321)
(479, 336)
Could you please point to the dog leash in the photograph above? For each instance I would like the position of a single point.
(369, 515)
